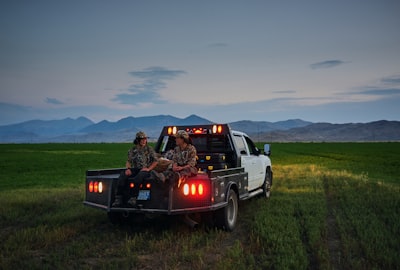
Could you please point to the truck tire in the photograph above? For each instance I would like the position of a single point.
(226, 217)
(267, 184)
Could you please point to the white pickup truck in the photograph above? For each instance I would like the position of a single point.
(230, 169)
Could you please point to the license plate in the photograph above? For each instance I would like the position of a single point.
(144, 195)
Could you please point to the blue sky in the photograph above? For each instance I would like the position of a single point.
(322, 61)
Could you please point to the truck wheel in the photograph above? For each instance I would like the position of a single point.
(267, 184)
(226, 217)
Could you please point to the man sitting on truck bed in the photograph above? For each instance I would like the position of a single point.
(183, 159)
(141, 160)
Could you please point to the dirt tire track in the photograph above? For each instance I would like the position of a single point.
(333, 235)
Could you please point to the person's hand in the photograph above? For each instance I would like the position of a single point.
(128, 172)
(145, 169)
(177, 168)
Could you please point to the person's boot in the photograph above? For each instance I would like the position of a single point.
(118, 201)
(132, 201)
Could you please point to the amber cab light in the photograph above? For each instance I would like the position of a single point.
(217, 129)
(172, 130)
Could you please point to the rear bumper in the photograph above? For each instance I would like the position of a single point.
(140, 209)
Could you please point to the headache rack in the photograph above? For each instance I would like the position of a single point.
(213, 145)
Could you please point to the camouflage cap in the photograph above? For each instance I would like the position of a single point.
(182, 134)
(141, 135)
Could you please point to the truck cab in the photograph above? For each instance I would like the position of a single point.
(251, 160)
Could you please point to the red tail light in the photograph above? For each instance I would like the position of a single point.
(95, 186)
(185, 189)
(200, 189)
(143, 185)
(91, 186)
(195, 189)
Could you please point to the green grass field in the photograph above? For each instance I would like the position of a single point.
(333, 206)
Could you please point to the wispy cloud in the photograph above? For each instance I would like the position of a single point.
(327, 64)
(53, 101)
(391, 80)
(284, 92)
(218, 44)
(157, 73)
(380, 92)
(148, 90)
(139, 97)
(386, 86)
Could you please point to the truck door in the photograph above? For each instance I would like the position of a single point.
(249, 157)
(257, 166)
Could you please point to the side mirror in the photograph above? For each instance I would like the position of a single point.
(267, 149)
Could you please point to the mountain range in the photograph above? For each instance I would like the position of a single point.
(83, 129)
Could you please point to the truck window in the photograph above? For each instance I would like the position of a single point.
(252, 148)
(240, 144)
(164, 144)
(167, 143)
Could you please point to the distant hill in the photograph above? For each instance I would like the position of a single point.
(150, 124)
(84, 130)
(145, 122)
(252, 127)
(325, 132)
(294, 130)
(40, 130)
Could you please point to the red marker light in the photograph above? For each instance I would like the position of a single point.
(194, 189)
(91, 186)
